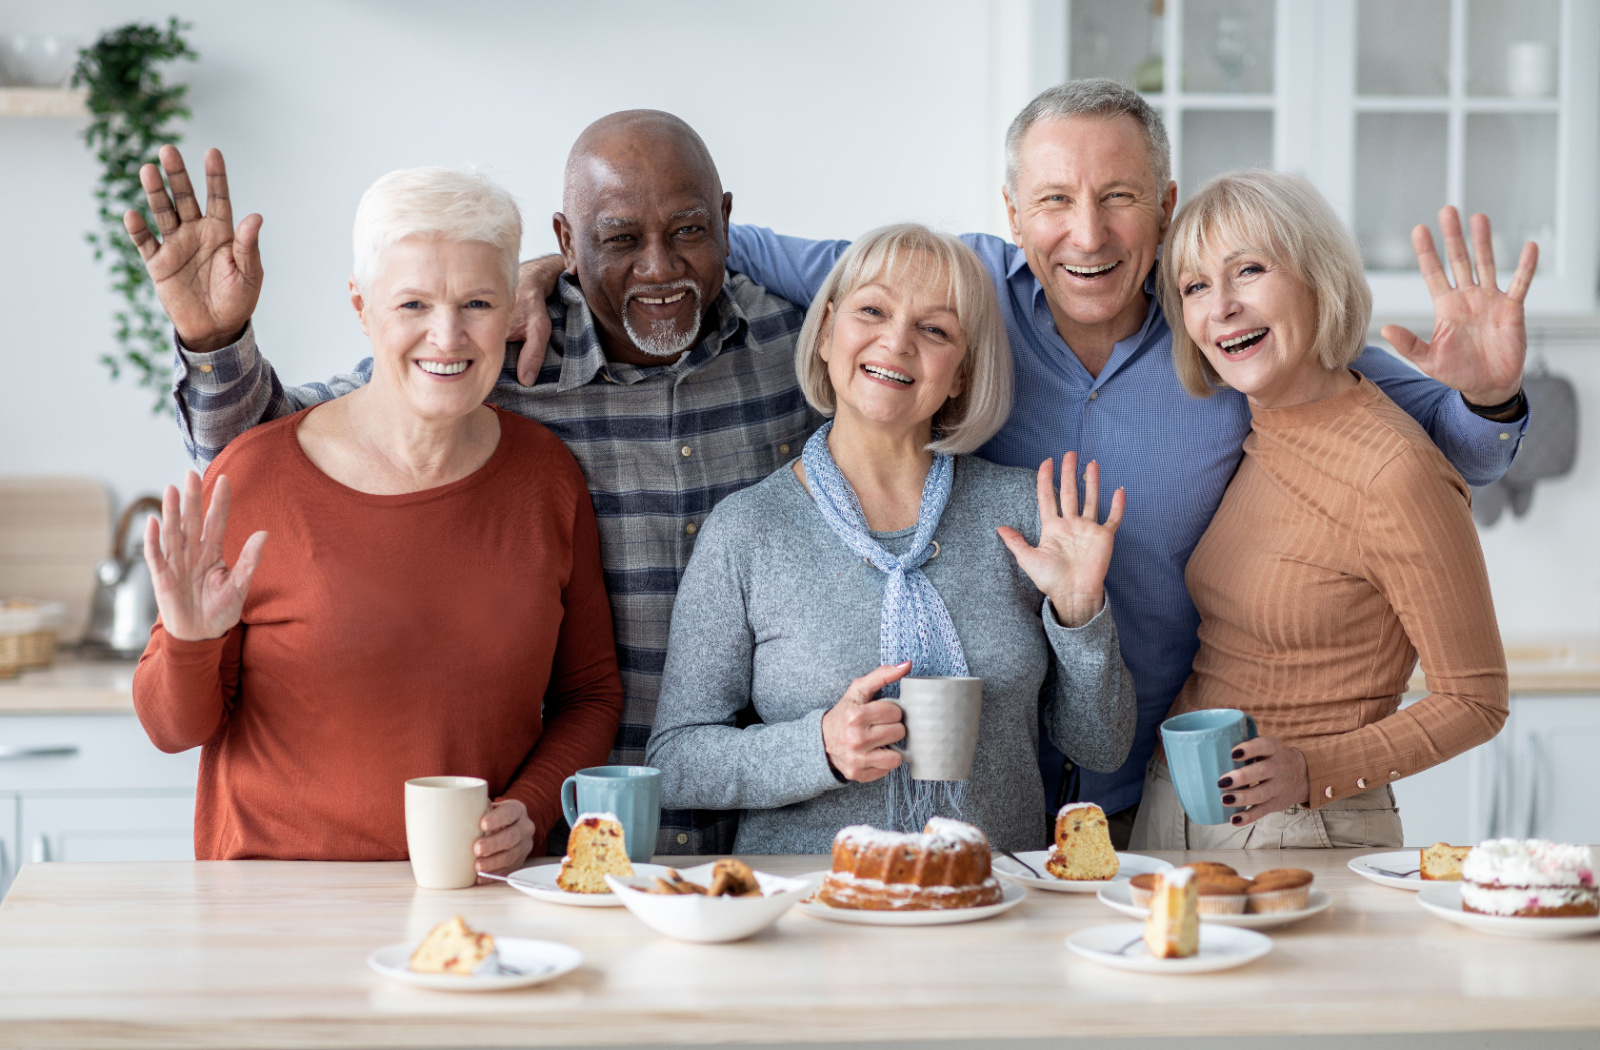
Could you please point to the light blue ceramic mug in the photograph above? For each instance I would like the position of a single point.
(633, 793)
(1199, 747)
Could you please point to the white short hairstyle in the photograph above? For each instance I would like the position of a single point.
(453, 205)
(973, 416)
(1284, 217)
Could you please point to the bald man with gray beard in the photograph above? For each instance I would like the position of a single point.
(669, 377)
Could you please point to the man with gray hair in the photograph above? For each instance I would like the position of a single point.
(1089, 195)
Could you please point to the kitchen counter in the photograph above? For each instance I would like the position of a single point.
(259, 953)
(74, 683)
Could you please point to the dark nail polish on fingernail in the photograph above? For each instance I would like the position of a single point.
(1227, 800)
(1238, 753)
(1238, 820)
(1225, 782)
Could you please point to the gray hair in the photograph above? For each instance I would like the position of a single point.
(1285, 218)
(453, 205)
(976, 414)
(1097, 97)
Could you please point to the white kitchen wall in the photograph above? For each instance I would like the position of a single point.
(826, 117)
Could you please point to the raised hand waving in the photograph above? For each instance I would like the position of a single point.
(1069, 564)
(1480, 340)
(197, 595)
(206, 273)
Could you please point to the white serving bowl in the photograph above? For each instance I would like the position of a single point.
(709, 920)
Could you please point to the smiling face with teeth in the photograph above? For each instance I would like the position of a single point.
(1256, 323)
(437, 313)
(1088, 214)
(895, 350)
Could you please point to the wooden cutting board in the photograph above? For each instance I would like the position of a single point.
(53, 531)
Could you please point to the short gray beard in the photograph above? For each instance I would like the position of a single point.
(663, 339)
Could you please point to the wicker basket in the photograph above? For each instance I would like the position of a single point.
(28, 634)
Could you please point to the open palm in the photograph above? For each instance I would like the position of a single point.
(206, 274)
(1480, 339)
(1069, 564)
(197, 595)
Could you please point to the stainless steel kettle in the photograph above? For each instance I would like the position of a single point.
(125, 602)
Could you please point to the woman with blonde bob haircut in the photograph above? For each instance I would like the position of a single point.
(430, 600)
(1343, 547)
(882, 552)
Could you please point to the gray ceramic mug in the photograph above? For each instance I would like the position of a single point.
(630, 793)
(941, 716)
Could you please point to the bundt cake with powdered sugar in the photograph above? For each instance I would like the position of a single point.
(946, 866)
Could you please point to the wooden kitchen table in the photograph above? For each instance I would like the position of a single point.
(258, 953)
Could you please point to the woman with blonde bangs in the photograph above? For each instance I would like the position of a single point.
(886, 549)
(1344, 546)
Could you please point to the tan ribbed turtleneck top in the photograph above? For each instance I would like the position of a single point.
(1344, 548)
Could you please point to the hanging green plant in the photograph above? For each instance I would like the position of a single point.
(134, 112)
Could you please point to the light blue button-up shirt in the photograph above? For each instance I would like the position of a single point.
(1173, 452)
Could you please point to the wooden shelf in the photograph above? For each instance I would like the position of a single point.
(43, 102)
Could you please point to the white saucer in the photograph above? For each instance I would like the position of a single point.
(1118, 897)
(1404, 860)
(1011, 896)
(1129, 865)
(1122, 947)
(535, 961)
(539, 882)
(1444, 900)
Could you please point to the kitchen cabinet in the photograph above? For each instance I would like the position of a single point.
(1391, 109)
(91, 787)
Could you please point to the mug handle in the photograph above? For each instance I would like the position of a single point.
(569, 800)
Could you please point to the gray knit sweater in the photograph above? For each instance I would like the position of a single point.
(774, 610)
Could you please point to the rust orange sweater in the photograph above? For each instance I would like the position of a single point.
(1343, 547)
(460, 630)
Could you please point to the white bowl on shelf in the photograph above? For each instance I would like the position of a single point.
(709, 920)
(37, 59)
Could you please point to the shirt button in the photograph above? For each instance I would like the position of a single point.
(686, 451)
(691, 528)
(1361, 782)
(682, 838)
(1327, 792)
(1505, 437)
(783, 450)
(207, 368)
(1093, 394)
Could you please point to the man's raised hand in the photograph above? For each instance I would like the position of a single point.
(1480, 339)
(206, 273)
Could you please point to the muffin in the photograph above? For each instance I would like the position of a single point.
(1204, 868)
(1222, 894)
(1278, 890)
(1140, 887)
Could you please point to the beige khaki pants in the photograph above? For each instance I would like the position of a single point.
(1367, 819)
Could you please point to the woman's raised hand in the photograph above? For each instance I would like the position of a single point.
(1480, 339)
(1069, 564)
(197, 595)
(207, 275)
(857, 731)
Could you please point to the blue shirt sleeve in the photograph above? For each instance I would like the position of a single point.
(790, 267)
(1480, 449)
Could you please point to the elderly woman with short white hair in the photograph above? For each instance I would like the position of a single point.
(430, 600)
(1344, 545)
(885, 550)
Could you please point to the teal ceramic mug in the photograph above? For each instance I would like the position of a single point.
(632, 793)
(1199, 747)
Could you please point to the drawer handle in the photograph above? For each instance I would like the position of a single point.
(8, 751)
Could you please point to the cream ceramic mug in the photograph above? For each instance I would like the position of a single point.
(442, 816)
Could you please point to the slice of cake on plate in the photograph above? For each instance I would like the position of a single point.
(1082, 850)
(1529, 878)
(1172, 929)
(452, 947)
(1442, 862)
(595, 849)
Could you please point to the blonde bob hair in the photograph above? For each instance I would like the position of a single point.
(453, 205)
(889, 253)
(1284, 217)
